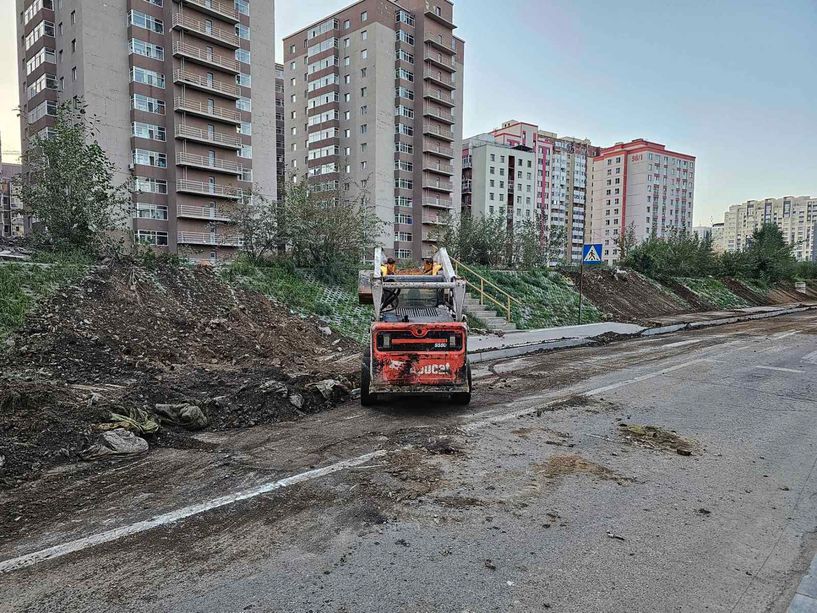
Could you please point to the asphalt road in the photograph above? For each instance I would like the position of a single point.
(535, 498)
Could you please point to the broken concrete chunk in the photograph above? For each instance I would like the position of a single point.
(329, 388)
(117, 442)
(185, 415)
(296, 400)
(274, 387)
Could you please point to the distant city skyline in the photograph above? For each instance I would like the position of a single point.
(729, 82)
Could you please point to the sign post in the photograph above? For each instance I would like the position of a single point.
(591, 255)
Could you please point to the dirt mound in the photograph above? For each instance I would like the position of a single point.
(629, 296)
(652, 437)
(784, 293)
(128, 337)
(749, 294)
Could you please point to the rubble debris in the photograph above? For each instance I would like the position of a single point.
(187, 416)
(119, 442)
(653, 437)
(489, 564)
(615, 536)
(127, 338)
(330, 389)
(560, 466)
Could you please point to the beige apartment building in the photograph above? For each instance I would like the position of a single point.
(561, 178)
(796, 216)
(641, 186)
(373, 102)
(498, 180)
(12, 221)
(183, 93)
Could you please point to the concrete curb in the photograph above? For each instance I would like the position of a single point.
(519, 350)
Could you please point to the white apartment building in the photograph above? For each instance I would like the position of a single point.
(639, 186)
(796, 216)
(499, 180)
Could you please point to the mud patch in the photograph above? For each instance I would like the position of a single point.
(577, 401)
(560, 466)
(653, 437)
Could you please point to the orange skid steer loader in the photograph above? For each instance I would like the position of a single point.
(419, 338)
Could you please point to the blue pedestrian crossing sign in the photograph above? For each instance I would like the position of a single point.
(591, 254)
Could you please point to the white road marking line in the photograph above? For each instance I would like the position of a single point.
(652, 375)
(683, 343)
(783, 335)
(811, 358)
(108, 536)
(778, 369)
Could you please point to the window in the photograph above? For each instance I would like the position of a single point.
(364, 35)
(74, 46)
(148, 77)
(45, 108)
(147, 104)
(74, 73)
(404, 74)
(404, 237)
(145, 157)
(364, 110)
(364, 16)
(151, 237)
(404, 129)
(364, 128)
(44, 28)
(242, 31)
(404, 92)
(45, 81)
(42, 56)
(35, 7)
(404, 17)
(364, 53)
(405, 56)
(73, 17)
(363, 92)
(243, 7)
(150, 211)
(243, 56)
(404, 148)
(347, 24)
(142, 20)
(149, 131)
(244, 104)
(149, 185)
(142, 48)
(405, 37)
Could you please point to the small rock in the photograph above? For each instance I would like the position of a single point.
(325, 330)
(489, 564)
(296, 400)
(703, 511)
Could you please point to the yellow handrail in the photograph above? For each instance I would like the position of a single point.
(481, 289)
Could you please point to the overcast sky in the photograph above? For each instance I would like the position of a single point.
(732, 82)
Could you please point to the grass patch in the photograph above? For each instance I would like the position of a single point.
(714, 292)
(305, 295)
(23, 284)
(547, 298)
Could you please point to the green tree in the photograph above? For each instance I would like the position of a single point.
(256, 218)
(329, 232)
(68, 184)
(769, 255)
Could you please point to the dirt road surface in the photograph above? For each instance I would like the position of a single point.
(666, 474)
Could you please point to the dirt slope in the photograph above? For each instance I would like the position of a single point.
(630, 297)
(127, 338)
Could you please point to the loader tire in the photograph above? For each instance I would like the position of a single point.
(463, 398)
(366, 399)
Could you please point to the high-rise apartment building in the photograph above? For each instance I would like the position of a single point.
(796, 216)
(498, 180)
(280, 161)
(561, 178)
(182, 99)
(12, 220)
(639, 187)
(373, 99)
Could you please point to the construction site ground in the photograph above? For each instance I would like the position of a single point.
(128, 338)
(673, 473)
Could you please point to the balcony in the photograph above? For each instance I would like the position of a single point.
(434, 220)
(439, 45)
(438, 149)
(467, 162)
(438, 114)
(206, 31)
(438, 131)
(208, 189)
(208, 238)
(446, 62)
(440, 98)
(205, 57)
(205, 84)
(434, 165)
(430, 238)
(466, 186)
(193, 160)
(441, 79)
(230, 141)
(201, 109)
(441, 19)
(216, 8)
(437, 184)
(438, 203)
(202, 212)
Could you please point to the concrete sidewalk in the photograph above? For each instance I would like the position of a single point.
(511, 344)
